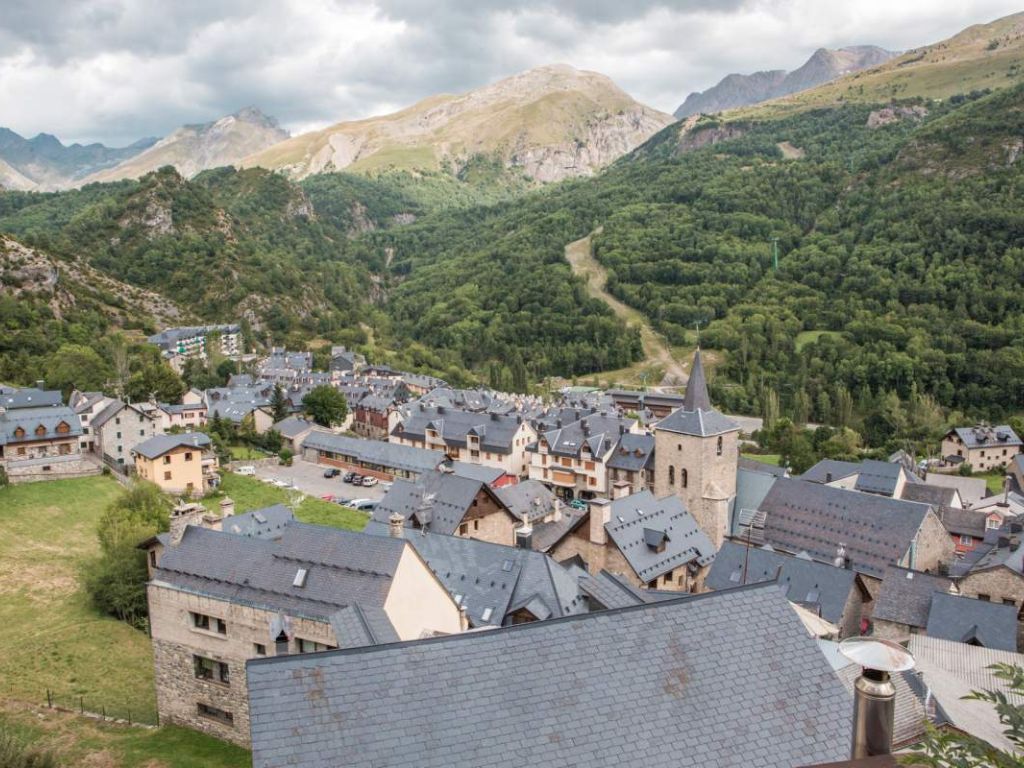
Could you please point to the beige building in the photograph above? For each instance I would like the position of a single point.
(983, 447)
(120, 427)
(696, 457)
(183, 464)
(187, 416)
(218, 599)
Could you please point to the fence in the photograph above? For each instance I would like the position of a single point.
(84, 704)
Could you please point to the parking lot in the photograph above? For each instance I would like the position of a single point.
(309, 478)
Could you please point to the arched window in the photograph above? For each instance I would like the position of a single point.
(684, 477)
(671, 475)
(719, 445)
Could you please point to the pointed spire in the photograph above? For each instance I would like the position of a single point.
(697, 397)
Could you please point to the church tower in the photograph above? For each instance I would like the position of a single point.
(696, 456)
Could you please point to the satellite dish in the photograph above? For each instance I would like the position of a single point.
(876, 653)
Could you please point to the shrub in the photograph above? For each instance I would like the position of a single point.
(16, 754)
(285, 457)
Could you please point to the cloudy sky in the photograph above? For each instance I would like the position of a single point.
(117, 70)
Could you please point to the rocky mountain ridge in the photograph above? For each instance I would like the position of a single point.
(823, 66)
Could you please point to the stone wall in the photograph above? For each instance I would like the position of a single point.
(487, 520)
(57, 468)
(933, 547)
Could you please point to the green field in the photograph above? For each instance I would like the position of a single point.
(246, 453)
(79, 741)
(994, 481)
(765, 458)
(53, 638)
(249, 493)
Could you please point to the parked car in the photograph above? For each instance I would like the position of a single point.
(368, 481)
(366, 505)
(248, 471)
(332, 472)
(357, 479)
(349, 477)
(578, 504)
(343, 502)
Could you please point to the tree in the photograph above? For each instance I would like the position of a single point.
(278, 403)
(325, 405)
(155, 380)
(953, 749)
(116, 580)
(74, 365)
(769, 406)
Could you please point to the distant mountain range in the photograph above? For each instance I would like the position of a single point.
(44, 162)
(550, 123)
(743, 90)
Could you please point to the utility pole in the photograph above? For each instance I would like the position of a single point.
(775, 254)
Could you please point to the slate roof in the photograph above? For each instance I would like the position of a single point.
(830, 470)
(343, 568)
(752, 485)
(697, 398)
(962, 521)
(265, 523)
(633, 453)
(496, 431)
(753, 465)
(971, 489)
(470, 700)
(598, 432)
(700, 423)
(528, 497)
(436, 500)
(905, 596)
(479, 472)
(168, 337)
(493, 580)
(952, 670)
(996, 550)
(820, 587)
(112, 409)
(880, 477)
(936, 495)
(978, 622)
(640, 523)
(161, 444)
(1001, 435)
(13, 398)
(29, 419)
(807, 517)
(292, 426)
(606, 591)
(547, 534)
(392, 455)
(81, 401)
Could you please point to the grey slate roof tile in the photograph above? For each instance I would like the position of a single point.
(383, 454)
(905, 596)
(436, 500)
(158, 445)
(30, 419)
(967, 620)
(538, 694)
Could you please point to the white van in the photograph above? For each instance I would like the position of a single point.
(249, 471)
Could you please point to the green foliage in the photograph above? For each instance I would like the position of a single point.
(285, 457)
(953, 749)
(325, 405)
(4, 479)
(278, 403)
(14, 753)
(116, 580)
(76, 365)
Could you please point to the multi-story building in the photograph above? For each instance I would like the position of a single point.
(88, 405)
(490, 439)
(186, 416)
(191, 341)
(697, 456)
(39, 436)
(574, 458)
(121, 426)
(218, 599)
(983, 447)
(182, 464)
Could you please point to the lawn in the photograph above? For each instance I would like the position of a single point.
(764, 458)
(994, 481)
(246, 453)
(86, 742)
(53, 638)
(249, 493)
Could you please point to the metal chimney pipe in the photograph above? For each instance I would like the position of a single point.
(874, 707)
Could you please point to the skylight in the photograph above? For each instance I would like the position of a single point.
(486, 615)
(300, 578)
(507, 565)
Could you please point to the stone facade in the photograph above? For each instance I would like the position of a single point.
(119, 434)
(702, 472)
(932, 548)
(998, 585)
(56, 468)
(488, 520)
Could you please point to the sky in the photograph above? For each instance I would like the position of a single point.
(117, 70)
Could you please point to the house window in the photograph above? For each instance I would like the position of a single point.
(40, 430)
(167, 459)
(167, 475)
(464, 529)
(209, 623)
(152, 558)
(589, 465)
(118, 422)
(476, 525)
(19, 433)
(188, 456)
(64, 450)
(208, 669)
(671, 475)
(213, 713)
(591, 481)
(260, 649)
(965, 539)
(63, 428)
(684, 478)
(21, 451)
(668, 577)
(312, 646)
(719, 449)
(142, 433)
(1009, 601)
(566, 462)
(985, 598)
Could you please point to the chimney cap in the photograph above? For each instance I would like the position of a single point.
(876, 653)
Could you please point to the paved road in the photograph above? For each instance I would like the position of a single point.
(309, 478)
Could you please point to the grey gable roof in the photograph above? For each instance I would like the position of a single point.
(496, 431)
(811, 584)
(633, 453)
(343, 568)
(807, 517)
(829, 470)
(988, 437)
(999, 548)
(977, 622)
(641, 522)
(879, 477)
(905, 596)
(13, 398)
(527, 497)
(598, 432)
(382, 454)
(29, 419)
(265, 523)
(436, 500)
(936, 495)
(292, 426)
(161, 444)
(466, 701)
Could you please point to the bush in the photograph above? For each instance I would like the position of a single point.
(966, 470)
(4, 479)
(285, 458)
(17, 754)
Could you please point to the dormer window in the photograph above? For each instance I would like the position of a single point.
(19, 433)
(63, 428)
(40, 431)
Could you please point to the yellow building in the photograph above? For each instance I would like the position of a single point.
(179, 464)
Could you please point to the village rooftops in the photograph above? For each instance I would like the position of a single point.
(806, 517)
(171, 336)
(496, 432)
(1001, 548)
(375, 452)
(905, 596)
(436, 500)
(13, 398)
(537, 694)
(161, 444)
(265, 523)
(633, 453)
(528, 498)
(597, 433)
(657, 535)
(24, 425)
(983, 436)
(976, 622)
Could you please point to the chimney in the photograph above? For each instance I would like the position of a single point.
(874, 695)
(395, 524)
(227, 507)
(463, 618)
(840, 561)
(183, 516)
(600, 513)
(524, 534)
(281, 644)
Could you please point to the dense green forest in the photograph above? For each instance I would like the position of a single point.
(898, 287)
